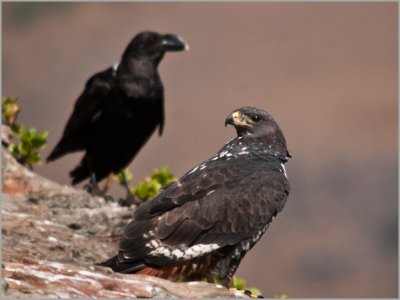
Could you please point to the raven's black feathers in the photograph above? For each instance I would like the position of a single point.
(118, 110)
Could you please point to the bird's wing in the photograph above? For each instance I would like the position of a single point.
(88, 106)
(207, 209)
(161, 117)
(86, 110)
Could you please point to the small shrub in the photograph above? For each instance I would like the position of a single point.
(240, 284)
(26, 142)
(152, 185)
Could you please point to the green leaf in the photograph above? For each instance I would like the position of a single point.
(254, 291)
(42, 135)
(163, 176)
(239, 283)
(141, 191)
(38, 143)
(31, 133)
(23, 149)
(10, 110)
(33, 158)
(13, 149)
(25, 138)
(147, 189)
(151, 186)
(19, 129)
(128, 176)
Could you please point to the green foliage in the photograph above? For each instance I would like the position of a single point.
(128, 176)
(152, 185)
(283, 296)
(10, 110)
(240, 284)
(27, 141)
(163, 176)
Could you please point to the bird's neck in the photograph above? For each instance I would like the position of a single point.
(132, 68)
(257, 147)
(139, 78)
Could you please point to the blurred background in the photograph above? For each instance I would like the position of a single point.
(327, 72)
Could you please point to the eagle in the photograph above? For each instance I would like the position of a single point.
(201, 226)
(118, 110)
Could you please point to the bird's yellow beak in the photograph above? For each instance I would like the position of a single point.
(236, 119)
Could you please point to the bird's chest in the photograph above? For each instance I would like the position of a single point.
(141, 88)
(124, 114)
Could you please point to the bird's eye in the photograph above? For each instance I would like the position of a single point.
(255, 118)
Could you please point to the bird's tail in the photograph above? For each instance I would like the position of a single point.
(57, 152)
(111, 263)
(80, 173)
(117, 266)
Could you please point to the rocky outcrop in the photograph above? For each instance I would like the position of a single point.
(54, 235)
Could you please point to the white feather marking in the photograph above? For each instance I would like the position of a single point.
(210, 192)
(177, 253)
(243, 152)
(222, 154)
(193, 170)
(154, 243)
(184, 253)
(115, 67)
(284, 170)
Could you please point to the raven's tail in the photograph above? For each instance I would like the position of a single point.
(80, 173)
(57, 152)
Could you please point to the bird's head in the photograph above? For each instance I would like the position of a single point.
(255, 122)
(154, 45)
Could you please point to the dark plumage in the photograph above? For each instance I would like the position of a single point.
(201, 226)
(118, 110)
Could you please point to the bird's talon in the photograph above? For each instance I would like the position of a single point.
(95, 191)
(108, 198)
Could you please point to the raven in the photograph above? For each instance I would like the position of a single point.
(201, 226)
(118, 110)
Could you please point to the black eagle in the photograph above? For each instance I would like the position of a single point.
(118, 110)
(201, 226)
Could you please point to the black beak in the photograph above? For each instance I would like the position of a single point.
(171, 42)
(229, 120)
